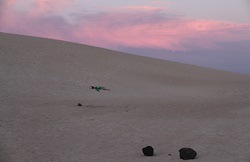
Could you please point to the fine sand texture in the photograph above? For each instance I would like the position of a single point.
(153, 102)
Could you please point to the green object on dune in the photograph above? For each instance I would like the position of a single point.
(98, 88)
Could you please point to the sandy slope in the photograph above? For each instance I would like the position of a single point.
(152, 102)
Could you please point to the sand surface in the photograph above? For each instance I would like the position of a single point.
(153, 102)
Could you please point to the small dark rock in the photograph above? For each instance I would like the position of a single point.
(79, 104)
(148, 151)
(187, 153)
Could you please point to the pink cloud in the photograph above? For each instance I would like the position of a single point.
(142, 27)
(138, 9)
(51, 6)
(41, 20)
(155, 31)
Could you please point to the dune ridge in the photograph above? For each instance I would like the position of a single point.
(154, 102)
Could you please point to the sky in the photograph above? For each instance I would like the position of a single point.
(214, 33)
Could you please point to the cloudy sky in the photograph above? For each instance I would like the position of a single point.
(211, 33)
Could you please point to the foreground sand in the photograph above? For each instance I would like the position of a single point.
(152, 102)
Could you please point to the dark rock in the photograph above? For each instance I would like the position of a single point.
(148, 151)
(79, 104)
(187, 153)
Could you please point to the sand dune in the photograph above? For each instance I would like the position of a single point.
(152, 102)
